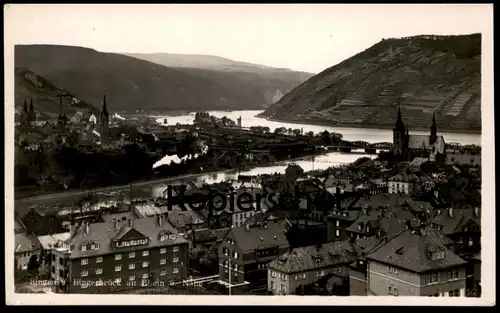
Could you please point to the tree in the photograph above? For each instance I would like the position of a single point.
(280, 131)
(296, 132)
(310, 134)
(33, 266)
(266, 129)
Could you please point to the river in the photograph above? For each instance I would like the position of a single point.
(155, 189)
(371, 135)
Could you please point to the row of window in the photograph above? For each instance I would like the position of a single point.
(131, 255)
(275, 286)
(453, 293)
(99, 271)
(226, 252)
(435, 277)
(234, 266)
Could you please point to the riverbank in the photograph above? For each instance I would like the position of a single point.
(380, 127)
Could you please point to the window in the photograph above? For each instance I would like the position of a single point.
(433, 278)
(393, 270)
(84, 248)
(273, 286)
(163, 272)
(390, 289)
(163, 250)
(145, 276)
(471, 243)
(85, 261)
(337, 223)
(395, 291)
(98, 271)
(320, 273)
(300, 276)
(176, 270)
(163, 261)
(455, 274)
(225, 251)
(131, 266)
(163, 237)
(145, 253)
(118, 268)
(235, 255)
(337, 233)
(145, 264)
(273, 274)
(131, 255)
(176, 248)
(131, 278)
(118, 257)
(84, 273)
(118, 280)
(283, 288)
(98, 259)
(175, 260)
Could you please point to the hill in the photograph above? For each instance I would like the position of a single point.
(44, 94)
(423, 74)
(133, 84)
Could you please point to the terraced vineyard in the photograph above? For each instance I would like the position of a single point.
(424, 75)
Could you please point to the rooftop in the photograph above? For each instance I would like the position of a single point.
(416, 251)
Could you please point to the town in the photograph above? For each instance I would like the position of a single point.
(406, 222)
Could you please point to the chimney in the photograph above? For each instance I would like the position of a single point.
(450, 212)
(247, 227)
(160, 219)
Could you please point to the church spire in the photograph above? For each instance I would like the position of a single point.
(25, 108)
(433, 136)
(399, 122)
(104, 108)
(32, 109)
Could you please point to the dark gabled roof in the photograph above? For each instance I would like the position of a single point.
(412, 251)
(103, 233)
(26, 243)
(456, 221)
(327, 255)
(259, 237)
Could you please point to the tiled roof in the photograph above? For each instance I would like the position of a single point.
(413, 251)
(405, 177)
(51, 241)
(453, 223)
(102, 234)
(183, 218)
(26, 243)
(258, 237)
(19, 226)
(327, 255)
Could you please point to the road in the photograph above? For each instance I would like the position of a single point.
(26, 202)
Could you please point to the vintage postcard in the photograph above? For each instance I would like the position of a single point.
(249, 154)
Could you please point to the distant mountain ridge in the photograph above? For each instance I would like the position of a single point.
(133, 84)
(422, 74)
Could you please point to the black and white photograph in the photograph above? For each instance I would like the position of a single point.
(314, 151)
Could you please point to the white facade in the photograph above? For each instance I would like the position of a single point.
(400, 187)
(238, 219)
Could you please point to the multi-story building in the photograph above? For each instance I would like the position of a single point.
(414, 263)
(245, 252)
(306, 265)
(26, 247)
(121, 254)
(337, 223)
(404, 183)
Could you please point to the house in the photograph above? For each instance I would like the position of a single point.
(404, 183)
(304, 232)
(184, 220)
(121, 255)
(245, 252)
(306, 265)
(41, 221)
(414, 263)
(337, 223)
(26, 246)
(58, 269)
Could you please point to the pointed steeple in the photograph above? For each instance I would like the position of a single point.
(60, 106)
(104, 108)
(25, 108)
(433, 136)
(399, 122)
(32, 109)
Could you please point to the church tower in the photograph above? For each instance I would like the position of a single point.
(399, 135)
(31, 113)
(433, 136)
(104, 122)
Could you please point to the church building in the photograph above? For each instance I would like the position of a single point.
(406, 145)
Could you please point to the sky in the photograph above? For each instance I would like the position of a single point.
(301, 37)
